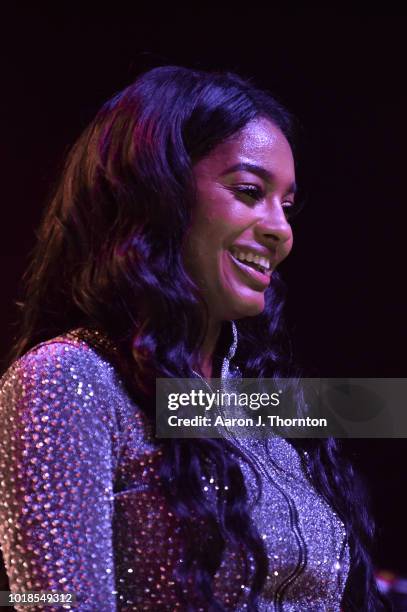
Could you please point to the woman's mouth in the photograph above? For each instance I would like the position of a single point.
(254, 267)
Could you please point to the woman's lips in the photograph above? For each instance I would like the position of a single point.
(258, 280)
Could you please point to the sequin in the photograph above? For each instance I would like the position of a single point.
(82, 509)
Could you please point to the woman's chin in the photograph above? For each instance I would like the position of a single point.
(247, 307)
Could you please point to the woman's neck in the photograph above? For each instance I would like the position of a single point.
(208, 348)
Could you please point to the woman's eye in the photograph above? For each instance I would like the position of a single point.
(250, 190)
(289, 209)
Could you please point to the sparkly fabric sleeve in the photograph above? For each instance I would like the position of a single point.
(57, 462)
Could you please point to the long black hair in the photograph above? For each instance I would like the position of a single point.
(108, 255)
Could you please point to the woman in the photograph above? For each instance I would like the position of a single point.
(157, 258)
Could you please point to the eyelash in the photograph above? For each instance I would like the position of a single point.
(249, 190)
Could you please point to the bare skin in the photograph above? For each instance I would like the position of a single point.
(228, 222)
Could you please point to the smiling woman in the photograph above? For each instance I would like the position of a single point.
(239, 231)
(156, 258)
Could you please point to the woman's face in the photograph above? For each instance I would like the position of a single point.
(239, 231)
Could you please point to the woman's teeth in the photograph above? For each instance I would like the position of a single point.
(257, 261)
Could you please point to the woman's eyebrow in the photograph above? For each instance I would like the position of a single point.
(259, 170)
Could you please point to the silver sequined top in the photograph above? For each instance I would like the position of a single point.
(81, 507)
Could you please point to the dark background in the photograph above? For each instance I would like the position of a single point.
(341, 74)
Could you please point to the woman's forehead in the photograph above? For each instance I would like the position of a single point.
(259, 143)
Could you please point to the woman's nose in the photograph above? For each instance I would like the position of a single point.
(273, 224)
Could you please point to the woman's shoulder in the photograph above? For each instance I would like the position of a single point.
(72, 383)
(78, 354)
